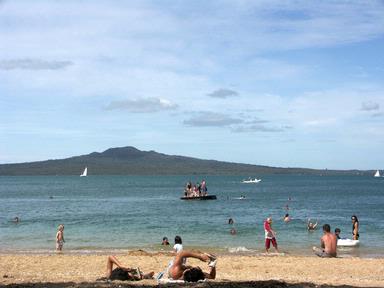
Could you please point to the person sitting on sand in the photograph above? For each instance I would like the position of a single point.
(192, 274)
(270, 235)
(311, 226)
(328, 244)
(124, 273)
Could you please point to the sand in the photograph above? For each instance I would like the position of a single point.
(232, 270)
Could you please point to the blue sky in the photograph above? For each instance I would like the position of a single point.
(280, 83)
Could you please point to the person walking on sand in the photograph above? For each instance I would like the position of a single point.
(270, 235)
(328, 244)
(60, 238)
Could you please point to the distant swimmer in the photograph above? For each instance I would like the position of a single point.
(287, 218)
(16, 220)
(310, 225)
(165, 241)
(230, 221)
(233, 231)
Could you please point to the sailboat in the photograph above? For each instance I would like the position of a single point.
(85, 172)
(377, 174)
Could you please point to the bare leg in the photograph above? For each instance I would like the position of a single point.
(211, 274)
(113, 260)
(177, 269)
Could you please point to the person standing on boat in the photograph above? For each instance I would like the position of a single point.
(355, 227)
(270, 235)
(204, 189)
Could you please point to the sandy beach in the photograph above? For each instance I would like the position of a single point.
(232, 270)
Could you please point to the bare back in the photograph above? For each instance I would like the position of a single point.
(329, 243)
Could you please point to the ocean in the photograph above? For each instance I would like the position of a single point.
(118, 213)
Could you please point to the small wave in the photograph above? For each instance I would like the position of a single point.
(238, 249)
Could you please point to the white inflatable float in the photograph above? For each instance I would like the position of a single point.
(347, 242)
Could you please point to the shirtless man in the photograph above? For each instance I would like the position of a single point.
(328, 243)
(192, 274)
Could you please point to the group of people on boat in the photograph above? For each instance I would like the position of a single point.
(196, 190)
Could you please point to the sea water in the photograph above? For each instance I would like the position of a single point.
(104, 213)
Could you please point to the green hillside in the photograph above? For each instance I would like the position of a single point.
(131, 161)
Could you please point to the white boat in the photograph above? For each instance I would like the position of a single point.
(347, 242)
(85, 172)
(377, 174)
(251, 181)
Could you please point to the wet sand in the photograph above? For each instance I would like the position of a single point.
(232, 270)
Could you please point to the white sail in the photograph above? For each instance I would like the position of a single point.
(85, 172)
(377, 174)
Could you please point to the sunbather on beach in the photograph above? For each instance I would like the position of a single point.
(192, 274)
(328, 244)
(124, 273)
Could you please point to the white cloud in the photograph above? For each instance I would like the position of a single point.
(142, 105)
(370, 106)
(223, 93)
(33, 64)
(211, 119)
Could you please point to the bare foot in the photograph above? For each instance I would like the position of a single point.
(148, 275)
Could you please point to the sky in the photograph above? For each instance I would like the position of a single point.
(277, 83)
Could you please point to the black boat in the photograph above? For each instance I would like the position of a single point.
(207, 197)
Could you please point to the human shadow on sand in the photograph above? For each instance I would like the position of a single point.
(213, 284)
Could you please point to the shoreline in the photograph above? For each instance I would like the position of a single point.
(343, 252)
(83, 270)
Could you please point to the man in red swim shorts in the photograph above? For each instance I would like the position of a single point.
(270, 235)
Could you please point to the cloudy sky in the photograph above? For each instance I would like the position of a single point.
(280, 83)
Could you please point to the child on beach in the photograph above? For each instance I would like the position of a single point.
(337, 233)
(270, 235)
(178, 247)
(60, 238)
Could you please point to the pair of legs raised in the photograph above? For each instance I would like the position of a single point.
(178, 269)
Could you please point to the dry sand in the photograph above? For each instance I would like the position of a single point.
(234, 270)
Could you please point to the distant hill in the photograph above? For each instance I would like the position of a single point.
(131, 161)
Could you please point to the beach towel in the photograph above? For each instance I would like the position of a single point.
(169, 280)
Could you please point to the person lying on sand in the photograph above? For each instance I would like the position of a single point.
(192, 274)
(123, 273)
(328, 243)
